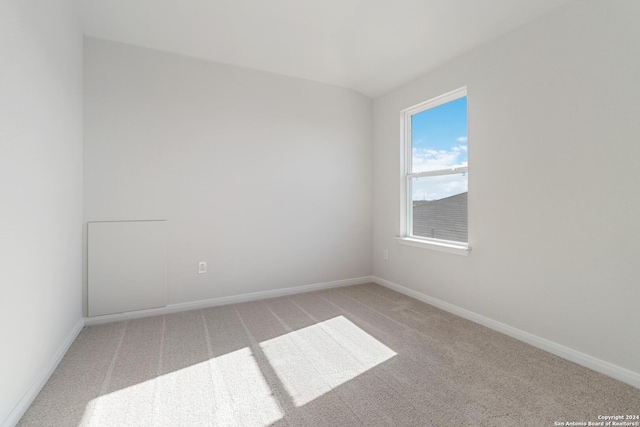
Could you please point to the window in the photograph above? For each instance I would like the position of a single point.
(435, 174)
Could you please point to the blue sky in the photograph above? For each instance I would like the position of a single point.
(439, 141)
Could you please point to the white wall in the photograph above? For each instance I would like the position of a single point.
(554, 205)
(40, 189)
(267, 178)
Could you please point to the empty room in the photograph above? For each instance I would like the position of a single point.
(319, 213)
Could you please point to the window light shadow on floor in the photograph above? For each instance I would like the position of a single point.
(307, 364)
(314, 360)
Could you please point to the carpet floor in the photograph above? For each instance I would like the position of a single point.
(359, 355)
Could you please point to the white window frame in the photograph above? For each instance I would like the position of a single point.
(406, 203)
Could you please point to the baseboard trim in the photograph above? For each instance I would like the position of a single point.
(234, 299)
(31, 394)
(614, 371)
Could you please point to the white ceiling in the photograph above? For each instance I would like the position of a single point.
(371, 46)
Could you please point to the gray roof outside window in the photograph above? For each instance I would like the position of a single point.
(441, 219)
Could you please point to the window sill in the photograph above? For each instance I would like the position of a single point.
(451, 248)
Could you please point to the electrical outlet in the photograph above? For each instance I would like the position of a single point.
(385, 254)
(202, 267)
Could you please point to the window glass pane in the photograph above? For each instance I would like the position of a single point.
(439, 137)
(440, 206)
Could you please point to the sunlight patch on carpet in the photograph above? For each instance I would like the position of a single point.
(226, 390)
(313, 361)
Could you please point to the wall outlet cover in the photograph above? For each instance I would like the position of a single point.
(202, 267)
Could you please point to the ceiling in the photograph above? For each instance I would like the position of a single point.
(371, 46)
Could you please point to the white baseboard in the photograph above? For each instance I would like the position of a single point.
(28, 398)
(606, 368)
(234, 299)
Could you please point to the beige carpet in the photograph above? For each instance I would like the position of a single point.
(361, 355)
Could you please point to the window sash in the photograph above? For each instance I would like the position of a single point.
(448, 171)
(409, 202)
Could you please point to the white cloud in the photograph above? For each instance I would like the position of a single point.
(425, 159)
(462, 139)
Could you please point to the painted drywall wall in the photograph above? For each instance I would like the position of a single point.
(266, 178)
(553, 176)
(40, 189)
